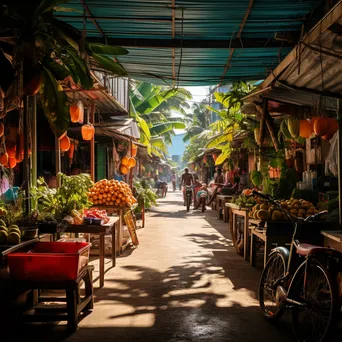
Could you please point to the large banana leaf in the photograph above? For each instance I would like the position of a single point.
(49, 5)
(55, 103)
(145, 90)
(165, 127)
(103, 49)
(109, 64)
(59, 71)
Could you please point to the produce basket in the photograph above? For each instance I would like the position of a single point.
(50, 261)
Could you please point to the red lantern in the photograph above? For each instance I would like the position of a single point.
(64, 144)
(88, 131)
(11, 149)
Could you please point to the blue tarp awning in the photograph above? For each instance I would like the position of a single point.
(188, 43)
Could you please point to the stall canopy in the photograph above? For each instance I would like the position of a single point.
(185, 43)
(311, 74)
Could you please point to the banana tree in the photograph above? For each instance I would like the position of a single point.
(152, 107)
(47, 53)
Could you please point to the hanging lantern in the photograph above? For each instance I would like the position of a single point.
(124, 161)
(214, 157)
(71, 150)
(11, 149)
(205, 160)
(88, 131)
(4, 159)
(12, 162)
(64, 144)
(134, 150)
(74, 113)
(124, 169)
(20, 158)
(131, 162)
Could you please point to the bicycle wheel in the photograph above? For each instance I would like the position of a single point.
(188, 202)
(165, 192)
(274, 270)
(203, 205)
(315, 321)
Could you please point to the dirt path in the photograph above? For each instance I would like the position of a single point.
(184, 283)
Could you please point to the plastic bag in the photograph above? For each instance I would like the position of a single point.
(331, 163)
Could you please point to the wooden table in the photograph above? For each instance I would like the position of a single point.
(102, 231)
(234, 212)
(333, 239)
(221, 201)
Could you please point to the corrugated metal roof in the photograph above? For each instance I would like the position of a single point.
(202, 35)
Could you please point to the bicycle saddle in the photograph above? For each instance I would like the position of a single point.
(305, 249)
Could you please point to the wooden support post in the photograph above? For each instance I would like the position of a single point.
(339, 118)
(26, 156)
(34, 140)
(58, 160)
(92, 144)
(263, 122)
(272, 130)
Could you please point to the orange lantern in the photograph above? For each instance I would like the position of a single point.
(205, 159)
(3, 158)
(2, 129)
(321, 126)
(134, 150)
(131, 162)
(71, 150)
(11, 149)
(20, 158)
(125, 161)
(124, 169)
(12, 162)
(305, 129)
(88, 131)
(74, 113)
(333, 126)
(64, 144)
(214, 157)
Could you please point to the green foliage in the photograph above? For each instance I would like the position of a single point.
(72, 194)
(143, 191)
(49, 47)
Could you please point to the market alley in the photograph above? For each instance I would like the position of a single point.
(183, 283)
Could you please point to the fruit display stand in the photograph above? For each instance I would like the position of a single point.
(101, 230)
(279, 233)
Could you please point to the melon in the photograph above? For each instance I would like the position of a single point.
(3, 237)
(13, 238)
(293, 126)
(277, 215)
(263, 215)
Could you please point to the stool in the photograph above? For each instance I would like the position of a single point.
(70, 312)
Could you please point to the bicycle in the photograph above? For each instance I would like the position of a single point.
(301, 281)
(188, 196)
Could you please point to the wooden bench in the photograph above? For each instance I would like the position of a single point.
(43, 311)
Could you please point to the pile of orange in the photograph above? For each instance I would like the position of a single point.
(111, 193)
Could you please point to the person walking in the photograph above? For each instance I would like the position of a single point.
(187, 180)
(173, 180)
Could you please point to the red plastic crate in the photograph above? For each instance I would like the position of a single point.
(50, 261)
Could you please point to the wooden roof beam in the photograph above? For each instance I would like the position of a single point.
(332, 17)
(191, 43)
